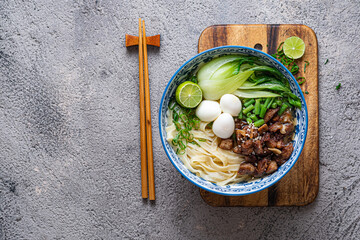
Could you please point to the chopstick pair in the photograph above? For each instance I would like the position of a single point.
(147, 162)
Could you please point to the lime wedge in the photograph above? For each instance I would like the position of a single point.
(294, 47)
(188, 94)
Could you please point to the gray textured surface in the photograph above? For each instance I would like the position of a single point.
(69, 162)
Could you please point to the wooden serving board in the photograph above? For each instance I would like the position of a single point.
(300, 186)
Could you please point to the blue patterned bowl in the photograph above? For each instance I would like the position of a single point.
(242, 188)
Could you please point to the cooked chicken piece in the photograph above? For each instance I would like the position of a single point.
(276, 118)
(285, 154)
(263, 128)
(270, 113)
(258, 149)
(275, 127)
(266, 137)
(246, 169)
(251, 159)
(287, 151)
(240, 134)
(239, 124)
(274, 143)
(286, 117)
(262, 166)
(272, 167)
(226, 144)
(237, 149)
(247, 147)
(287, 128)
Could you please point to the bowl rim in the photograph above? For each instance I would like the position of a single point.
(232, 193)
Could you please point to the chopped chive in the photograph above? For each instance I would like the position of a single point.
(306, 92)
(297, 79)
(338, 86)
(306, 64)
(327, 60)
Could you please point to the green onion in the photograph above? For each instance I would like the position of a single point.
(282, 109)
(257, 106)
(249, 120)
(306, 92)
(327, 60)
(202, 140)
(301, 81)
(240, 115)
(338, 86)
(248, 114)
(248, 109)
(259, 123)
(248, 103)
(274, 105)
(194, 79)
(306, 64)
(184, 120)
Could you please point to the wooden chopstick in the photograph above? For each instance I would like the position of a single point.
(149, 147)
(144, 185)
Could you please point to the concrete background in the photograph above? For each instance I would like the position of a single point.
(69, 122)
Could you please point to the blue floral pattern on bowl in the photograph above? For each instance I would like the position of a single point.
(242, 188)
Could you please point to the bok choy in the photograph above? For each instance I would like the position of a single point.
(223, 75)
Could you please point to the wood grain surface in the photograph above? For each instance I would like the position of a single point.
(300, 186)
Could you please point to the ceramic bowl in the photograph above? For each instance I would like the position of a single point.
(242, 188)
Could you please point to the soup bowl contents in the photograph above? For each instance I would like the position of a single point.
(240, 123)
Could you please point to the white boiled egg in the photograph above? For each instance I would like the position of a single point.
(230, 103)
(224, 126)
(208, 110)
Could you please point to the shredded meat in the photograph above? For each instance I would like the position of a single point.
(226, 144)
(246, 169)
(270, 113)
